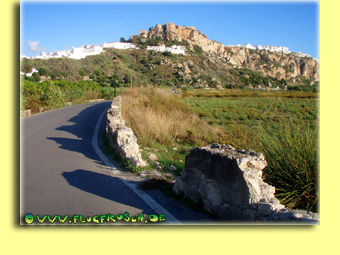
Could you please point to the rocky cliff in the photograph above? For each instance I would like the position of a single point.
(288, 66)
(275, 64)
(170, 31)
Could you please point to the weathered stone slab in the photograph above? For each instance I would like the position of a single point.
(228, 183)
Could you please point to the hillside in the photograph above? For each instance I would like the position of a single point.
(207, 63)
(275, 64)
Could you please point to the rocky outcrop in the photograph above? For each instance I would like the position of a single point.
(121, 137)
(275, 64)
(170, 31)
(288, 66)
(228, 183)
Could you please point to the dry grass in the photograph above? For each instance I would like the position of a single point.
(160, 116)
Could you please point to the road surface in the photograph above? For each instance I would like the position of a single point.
(63, 172)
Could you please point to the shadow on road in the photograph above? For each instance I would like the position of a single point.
(106, 186)
(82, 127)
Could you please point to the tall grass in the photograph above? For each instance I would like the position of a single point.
(159, 116)
(292, 156)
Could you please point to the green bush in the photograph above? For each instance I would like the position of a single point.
(107, 93)
(304, 88)
(265, 58)
(53, 97)
(55, 94)
(198, 49)
(292, 156)
(42, 71)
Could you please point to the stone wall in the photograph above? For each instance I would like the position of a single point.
(228, 183)
(121, 137)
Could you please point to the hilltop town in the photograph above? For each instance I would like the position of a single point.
(272, 48)
(88, 50)
(92, 49)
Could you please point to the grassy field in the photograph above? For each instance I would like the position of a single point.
(283, 126)
(244, 113)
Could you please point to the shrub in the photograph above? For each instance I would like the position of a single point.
(55, 94)
(36, 77)
(42, 71)
(252, 51)
(304, 88)
(53, 97)
(265, 58)
(198, 49)
(292, 156)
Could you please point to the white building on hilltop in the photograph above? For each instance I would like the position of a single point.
(270, 48)
(75, 53)
(300, 54)
(248, 46)
(55, 54)
(85, 50)
(175, 49)
(118, 45)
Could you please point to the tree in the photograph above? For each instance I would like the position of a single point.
(122, 39)
(36, 76)
(306, 81)
(284, 82)
(82, 72)
(42, 71)
(26, 67)
(97, 73)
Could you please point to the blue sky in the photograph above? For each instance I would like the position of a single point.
(51, 26)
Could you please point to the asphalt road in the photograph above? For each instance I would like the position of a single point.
(62, 173)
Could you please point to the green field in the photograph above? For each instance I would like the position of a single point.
(252, 111)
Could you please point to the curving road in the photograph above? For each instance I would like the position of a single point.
(63, 171)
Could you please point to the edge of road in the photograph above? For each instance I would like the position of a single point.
(114, 169)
